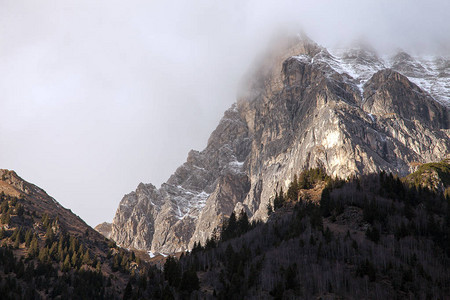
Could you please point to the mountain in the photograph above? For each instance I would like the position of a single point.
(349, 112)
(47, 252)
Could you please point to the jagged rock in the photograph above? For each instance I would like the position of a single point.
(407, 65)
(164, 220)
(104, 229)
(302, 107)
(433, 176)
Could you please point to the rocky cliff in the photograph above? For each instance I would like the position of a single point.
(104, 229)
(350, 112)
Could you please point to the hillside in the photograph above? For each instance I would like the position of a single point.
(47, 252)
(372, 237)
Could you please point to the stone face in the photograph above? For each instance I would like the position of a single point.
(164, 220)
(302, 107)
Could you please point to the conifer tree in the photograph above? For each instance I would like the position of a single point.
(269, 209)
(86, 258)
(28, 237)
(243, 223)
(34, 247)
(43, 255)
(74, 259)
(292, 193)
(66, 264)
(98, 267)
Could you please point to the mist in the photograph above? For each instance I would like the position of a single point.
(97, 96)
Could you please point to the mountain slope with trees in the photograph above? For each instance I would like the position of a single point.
(46, 252)
(374, 236)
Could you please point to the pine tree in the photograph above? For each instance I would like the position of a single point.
(16, 234)
(279, 200)
(303, 182)
(49, 236)
(116, 263)
(6, 218)
(98, 267)
(45, 220)
(86, 258)
(53, 251)
(172, 271)
(34, 247)
(66, 264)
(43, 255)
(230, 228)
(243, 223)
(28, 237)
(74, 260)
(269, 209)
(60, 250)
(292, 193)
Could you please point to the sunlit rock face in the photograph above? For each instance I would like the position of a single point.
(350, 112)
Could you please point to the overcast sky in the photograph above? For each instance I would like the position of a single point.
(97, 96)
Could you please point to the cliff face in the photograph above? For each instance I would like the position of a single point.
(164, 220)
(303, 107)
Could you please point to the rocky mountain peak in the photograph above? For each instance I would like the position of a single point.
(407, 65)
(302, 106)
(395, 94)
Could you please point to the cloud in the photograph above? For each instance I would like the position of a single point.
(97, 96)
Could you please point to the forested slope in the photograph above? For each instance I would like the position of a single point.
(375, 237)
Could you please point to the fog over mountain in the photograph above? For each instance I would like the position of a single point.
(97, 96)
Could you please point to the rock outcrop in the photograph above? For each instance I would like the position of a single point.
(303, 107)
(104, 229)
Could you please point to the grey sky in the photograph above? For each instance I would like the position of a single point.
(97, 96)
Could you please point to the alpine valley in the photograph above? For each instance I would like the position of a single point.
(329, 178)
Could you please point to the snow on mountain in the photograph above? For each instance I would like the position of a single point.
(430, 73)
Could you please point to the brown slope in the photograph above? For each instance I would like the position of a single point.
(37, 200)
(54, 244)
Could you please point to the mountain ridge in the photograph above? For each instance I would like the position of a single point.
(49, 252)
